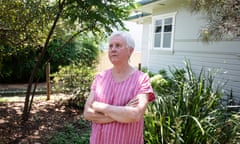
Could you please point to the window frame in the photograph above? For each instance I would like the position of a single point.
(163, 18)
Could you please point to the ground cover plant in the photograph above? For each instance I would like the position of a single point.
(189, 109)
(76, 133)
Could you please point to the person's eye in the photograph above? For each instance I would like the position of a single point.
(118, 46)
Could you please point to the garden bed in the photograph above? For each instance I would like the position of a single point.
(46, 118)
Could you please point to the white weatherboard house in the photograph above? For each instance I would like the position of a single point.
(171, 34)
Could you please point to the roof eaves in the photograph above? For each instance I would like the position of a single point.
(140, 15)
(145, 2)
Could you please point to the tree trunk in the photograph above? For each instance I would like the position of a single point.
(27, 103)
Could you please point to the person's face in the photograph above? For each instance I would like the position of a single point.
(118, 51)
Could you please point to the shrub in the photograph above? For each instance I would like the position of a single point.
(76, 79)
(16, 64)
(77, 51)
(191, 112)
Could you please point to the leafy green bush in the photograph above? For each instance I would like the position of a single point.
(76, 79)
(16, 64)
(190, 112)
(145, 70)
(76, 51)
(159, 83)
(78, 76)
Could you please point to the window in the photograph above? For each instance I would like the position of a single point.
(163, 32)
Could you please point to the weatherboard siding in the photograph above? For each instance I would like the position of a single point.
(228, 67)
(223, 56)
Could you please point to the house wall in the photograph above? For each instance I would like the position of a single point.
(145, 44)
(223, 56)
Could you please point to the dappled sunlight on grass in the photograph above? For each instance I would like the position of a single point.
(10, 99)
(40, 97)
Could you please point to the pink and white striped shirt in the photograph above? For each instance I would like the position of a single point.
(119, 93)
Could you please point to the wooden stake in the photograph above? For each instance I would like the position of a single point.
(139, 66)
(48, 80)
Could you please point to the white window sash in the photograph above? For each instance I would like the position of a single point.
(163, 18)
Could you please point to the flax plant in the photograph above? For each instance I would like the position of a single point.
(189, 110)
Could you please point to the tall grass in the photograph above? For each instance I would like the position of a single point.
(189, 110)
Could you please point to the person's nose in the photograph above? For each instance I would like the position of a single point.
(113, 48)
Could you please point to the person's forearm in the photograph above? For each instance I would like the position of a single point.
(124, 114)
(103, 120)
(97, 117)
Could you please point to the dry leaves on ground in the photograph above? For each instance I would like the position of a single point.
(45, 118)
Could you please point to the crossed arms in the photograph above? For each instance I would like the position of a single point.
(105, 113)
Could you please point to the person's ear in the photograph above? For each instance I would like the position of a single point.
(131, 51)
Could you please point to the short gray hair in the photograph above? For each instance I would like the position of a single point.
(126, 36)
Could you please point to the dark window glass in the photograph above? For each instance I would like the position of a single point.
(168, 28)
(158, 29)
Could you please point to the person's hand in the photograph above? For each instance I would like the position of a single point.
(133, 102)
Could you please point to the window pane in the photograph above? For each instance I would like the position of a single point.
(168, 28)
(168, 21)
(158, 29)
(158, 22)
(157, 40)
(167, 40)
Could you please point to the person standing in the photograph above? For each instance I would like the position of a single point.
(118, 97)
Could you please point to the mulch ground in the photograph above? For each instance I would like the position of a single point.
(46, 117)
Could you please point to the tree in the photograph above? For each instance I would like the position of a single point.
(75, 16)
(23, 25)
(99, 17)
(223, 16)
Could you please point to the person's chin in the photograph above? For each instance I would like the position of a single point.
(114, 62)
(114, 59)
